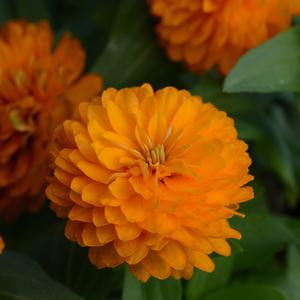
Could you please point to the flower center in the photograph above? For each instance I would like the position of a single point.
(154, 155)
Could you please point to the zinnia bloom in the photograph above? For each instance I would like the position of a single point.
(149, 179)
(39, 85)
(205, 33)
(1, 245)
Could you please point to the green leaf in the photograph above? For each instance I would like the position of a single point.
(163, 289)
(5, 11)
(89, 21)
(247, 292)
(263, 235)
(153, 289)
(41, 236)
(211, 91)
(275, 149)
(288, 280)
(294, 226)
(291, 285)
(132, 288)
(272, 67)
(171, 288)
(259, 203)
(132, 55)
(203, 283)
(247, 131)
(274, 274)
(68, 263)
(32, 10)
(21, 278)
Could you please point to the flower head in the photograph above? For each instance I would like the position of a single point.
(149, 179)
(205, 33)
(39, 86)
(1, 245)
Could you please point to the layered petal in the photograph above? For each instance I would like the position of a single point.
(40, 86)
(149, 179)
(207, 33)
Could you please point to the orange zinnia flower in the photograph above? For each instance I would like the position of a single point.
(38, 87)
(1, 245)
(149, 179)
(205, 33)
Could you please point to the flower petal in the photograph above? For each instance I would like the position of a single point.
(128, 232)
(200, 260)
(114, 215)
(139, 271)
(121, 188)
(220, 246)
(92, 193)
(118, 120)
(156, 266)
(89, 236)
(106, 233)
(98, 217)
(135, 209)
(111, 157)
(78, 213)
(94, 171)
(173, 255)
(105, 256)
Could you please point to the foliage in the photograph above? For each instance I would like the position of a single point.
(260, 93)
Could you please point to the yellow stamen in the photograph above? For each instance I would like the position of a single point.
(153, 156)
(149, 141)
(162, 156)
(20, 78)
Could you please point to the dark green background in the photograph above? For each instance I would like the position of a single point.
(261, 94)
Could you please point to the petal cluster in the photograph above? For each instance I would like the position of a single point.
(1, 245)
(39, 85)
(208, 33)
(149, 179)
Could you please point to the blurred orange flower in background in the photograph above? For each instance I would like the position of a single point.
(1, 245)
(39, 86)
(205, 33)
(149, 179)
